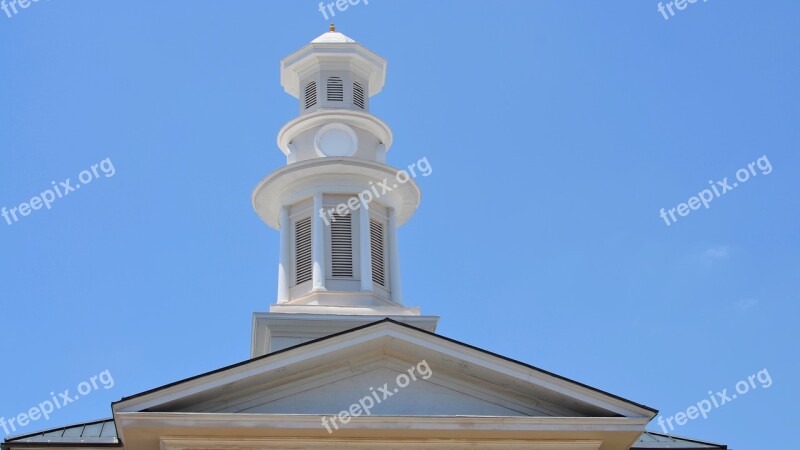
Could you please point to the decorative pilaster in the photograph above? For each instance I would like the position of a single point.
(366, 247)
(283, 264)
(318, 245)
(394, 259)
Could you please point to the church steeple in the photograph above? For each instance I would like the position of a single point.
(338, 253)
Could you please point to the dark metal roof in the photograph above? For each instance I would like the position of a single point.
(97, 433)
(650, 440)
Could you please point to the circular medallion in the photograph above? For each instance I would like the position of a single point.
(336, 139)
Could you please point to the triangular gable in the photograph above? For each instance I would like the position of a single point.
(326, 375)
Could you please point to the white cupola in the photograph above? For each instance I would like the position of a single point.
(333, 73)
(339, 264)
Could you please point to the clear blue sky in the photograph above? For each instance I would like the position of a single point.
(556, 131)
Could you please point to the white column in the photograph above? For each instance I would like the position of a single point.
(394, 260)
(366, 247)
(283, 263)
(318, 245)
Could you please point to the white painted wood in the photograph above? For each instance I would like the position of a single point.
(365, 259)
(394, 260)
(335, 147)
(299, 181)
(181, 443)
(329, 52)
(614, 433)
(376, 422)
(421, 398)
(290, 325)
(303, 129)
(318, 244)
(285, 258)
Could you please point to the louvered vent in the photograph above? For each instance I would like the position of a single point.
(311, 94)
(335, 89)
(358, 94)
(302, 245)
(376, 243)
(342, 245)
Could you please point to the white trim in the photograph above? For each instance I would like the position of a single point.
(366, 248)
(313, 421)
(295, 182)
(544, 380)
(318, 245)
(318, 321)
(394, 260)
(181, 443)
(317, 57)
(285, 256)
(355, 119)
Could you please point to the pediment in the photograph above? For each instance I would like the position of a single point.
(441, 377)
(388, 386)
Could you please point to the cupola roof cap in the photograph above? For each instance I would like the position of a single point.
(333, 49)
(333, 37)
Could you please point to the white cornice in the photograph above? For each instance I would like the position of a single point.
(356, 119)
(182, 443)
(313, 422)
(345, 175)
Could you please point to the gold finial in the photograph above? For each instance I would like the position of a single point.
(333, 28)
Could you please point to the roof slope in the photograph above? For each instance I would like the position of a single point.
(651, 441)
(410, 328)
(100, 433)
